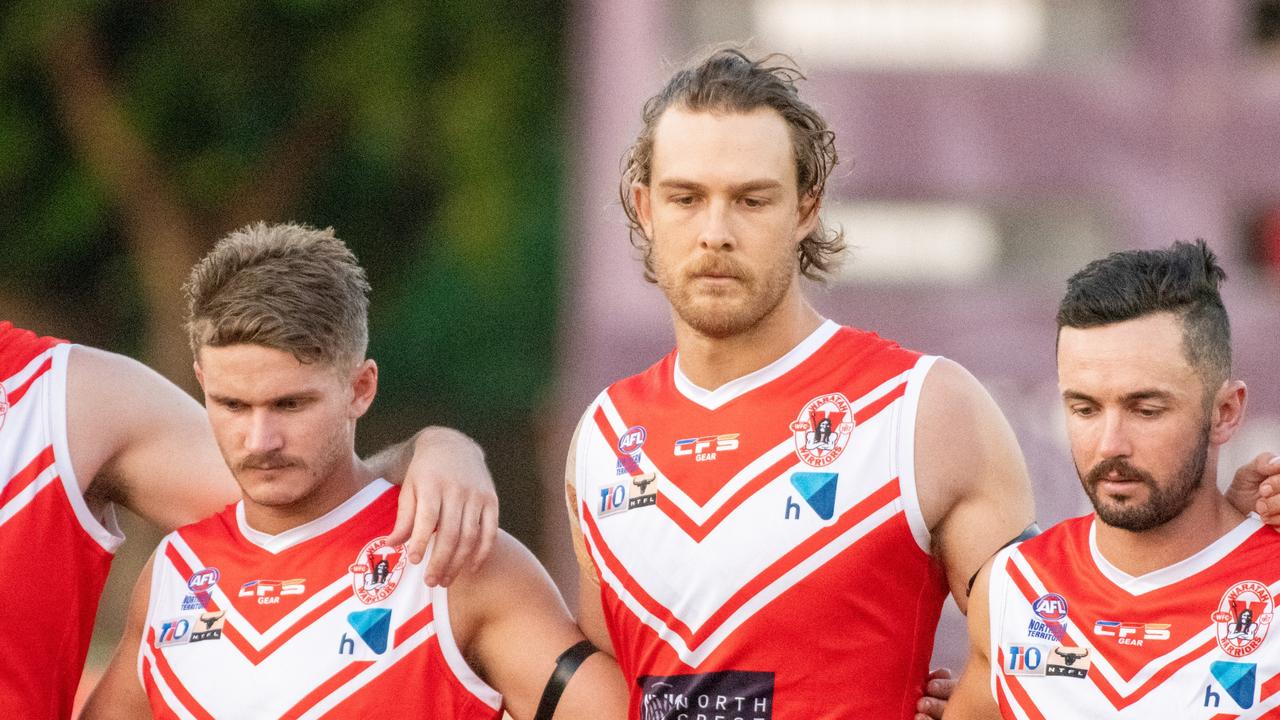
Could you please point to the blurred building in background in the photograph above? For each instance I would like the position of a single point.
(989, 149)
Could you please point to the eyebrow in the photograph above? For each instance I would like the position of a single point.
(1137, 395)
(748, 186)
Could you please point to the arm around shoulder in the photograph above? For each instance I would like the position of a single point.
(138, 440)
(972, 699)
(119, 694)
(512, 623)
(970, 475)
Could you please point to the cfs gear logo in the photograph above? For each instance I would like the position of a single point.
(269, 592)
(377, 570)
(822, 429)
(1243, 617)
(201, 584)
(1131, 633)
(705, 448)
(727, 694)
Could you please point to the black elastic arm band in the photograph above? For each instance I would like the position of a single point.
(1031, 531)
(566, 665)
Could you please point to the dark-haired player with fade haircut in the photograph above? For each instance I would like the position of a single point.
(1161, 603)
(82, 431)
(293, 602)
(812, 492)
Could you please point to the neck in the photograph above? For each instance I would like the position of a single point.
(1206, 519)
(710, 362)
(339, 486)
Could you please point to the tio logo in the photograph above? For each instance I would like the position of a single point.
(173, 632)
(613, 499)
(1025, 660)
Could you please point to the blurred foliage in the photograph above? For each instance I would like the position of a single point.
(436, 158)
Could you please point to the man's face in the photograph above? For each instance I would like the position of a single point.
(1136, 419)
(724, 217)
(283, 427)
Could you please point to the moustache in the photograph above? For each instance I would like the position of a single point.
(717, 265)
(266, 461)
(1121, 469)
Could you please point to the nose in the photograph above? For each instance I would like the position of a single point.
(262, 436)
(1114, 441)
(715, 227)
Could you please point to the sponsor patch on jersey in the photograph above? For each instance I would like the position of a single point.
(707, 447)
(1050, 621)
(373, 626)
(1066, 661)
(818, 490)
(377, 571)
(628, 494)
(822, 429)
(1243, 617)
(1238, 680)
(201, 583)
(1025, 659)
(628, 464)
(175, 632)
(728, 694)
(269, 592)
(632, 440)
(1131, 633)
(208, 626)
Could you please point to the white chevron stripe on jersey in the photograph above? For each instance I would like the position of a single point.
(1099, 661)
(24, 498)
(259, 640)
(699, 652)
(701, 513)
(16, 380)
(170, 697)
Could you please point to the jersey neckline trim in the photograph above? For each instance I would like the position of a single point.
(1210, 555)
(276, 544)
(713, 399)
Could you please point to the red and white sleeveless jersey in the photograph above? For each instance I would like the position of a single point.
(760, 547)
(55, 552)
(324, 620)
(1072, 636)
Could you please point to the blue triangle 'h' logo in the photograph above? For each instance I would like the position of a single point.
(819, 490)
(374, 626)
(1238, 679)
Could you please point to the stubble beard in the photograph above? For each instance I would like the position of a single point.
(1162, 504)
(732, 313)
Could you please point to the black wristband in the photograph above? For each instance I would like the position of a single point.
(566, 665)
(1031, 531)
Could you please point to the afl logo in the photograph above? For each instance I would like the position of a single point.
(823, 428)
(632, 440)
(1243, 617)
(203, 580)
(1051, 607)
(377, 570)
(4, 405)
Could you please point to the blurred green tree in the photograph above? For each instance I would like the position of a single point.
(134, 134)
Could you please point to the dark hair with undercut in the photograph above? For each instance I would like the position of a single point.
(730, 82)
(287, 287)
(1182, 279)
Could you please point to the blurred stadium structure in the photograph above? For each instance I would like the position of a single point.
(469, 152)
(989, 148)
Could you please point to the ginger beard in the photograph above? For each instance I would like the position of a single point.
(720, 297)
(1162, 503)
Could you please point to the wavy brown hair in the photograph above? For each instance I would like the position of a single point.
(730, 82)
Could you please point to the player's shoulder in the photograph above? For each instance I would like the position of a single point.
(1067, 538)
(221, 528)
(19, 347)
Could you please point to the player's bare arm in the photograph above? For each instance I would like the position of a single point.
(138, 440)
(590, 613)
(512, 625)
(972, 698)
(972, 480)
(119, 694)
